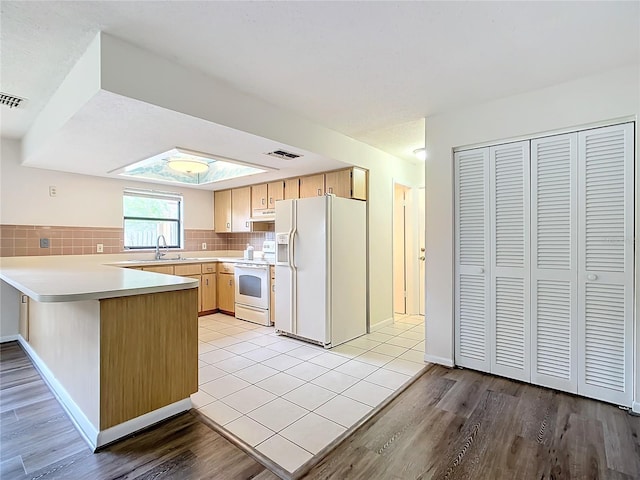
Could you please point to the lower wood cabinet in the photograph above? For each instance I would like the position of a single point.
(226, 293)
(209, 297)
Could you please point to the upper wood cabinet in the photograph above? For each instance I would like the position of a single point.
(312, 186)
(349, 183)
(222, 211)
(291, 188)
(240, 209)
(259, 197)
(265, 195)
(275, 192)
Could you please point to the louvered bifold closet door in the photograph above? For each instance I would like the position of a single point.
(510, 302)
(605, 265)
(472, 259)
(554, 261)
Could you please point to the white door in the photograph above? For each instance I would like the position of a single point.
(509, 219)
(553, 262)
(605, 263)
(421, 233)
(472, 308)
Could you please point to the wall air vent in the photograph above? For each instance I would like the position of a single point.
(10, 101)
(284, 154)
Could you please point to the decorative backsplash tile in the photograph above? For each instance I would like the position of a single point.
(25, 240)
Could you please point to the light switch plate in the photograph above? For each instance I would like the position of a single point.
(100, 247)
(204, 246)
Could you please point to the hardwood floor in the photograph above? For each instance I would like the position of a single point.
(450, 424)
(460, 424)
(38, 441)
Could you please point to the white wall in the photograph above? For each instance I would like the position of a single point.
(82, 201)
(607, 96)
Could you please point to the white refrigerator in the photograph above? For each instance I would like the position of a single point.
(321, 269)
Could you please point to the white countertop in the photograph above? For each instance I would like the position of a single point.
(71, 279)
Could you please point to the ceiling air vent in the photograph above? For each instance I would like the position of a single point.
(10, 101)
(284, 154)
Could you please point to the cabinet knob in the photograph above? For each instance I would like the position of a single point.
(319, 192)
(262, 200)
(246, 224)
(270, 200)
(229, 282)
(206, 282)
(330, 189)
(592, 277)
(228, 225)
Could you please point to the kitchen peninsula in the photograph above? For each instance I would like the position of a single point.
(118, 346)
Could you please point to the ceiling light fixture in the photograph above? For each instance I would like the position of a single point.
(420, 153)
(186, 165)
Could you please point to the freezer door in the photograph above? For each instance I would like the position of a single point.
(285, 274)
(310, 263)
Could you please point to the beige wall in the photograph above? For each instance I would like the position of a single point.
(609, 96)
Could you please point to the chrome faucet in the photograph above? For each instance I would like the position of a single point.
(159, 254)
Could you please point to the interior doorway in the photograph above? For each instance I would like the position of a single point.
(408, 240)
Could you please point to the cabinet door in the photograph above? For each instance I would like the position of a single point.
(553, 262)
(472, 260)
(510, 295)
(312, 186)
(359, 183)
(226, 292)
(275, 192)
(291, 188)
(240, 209)
(605, 263)
(222, 211)
(272, 301)
(259, 197)
(338, 183)
(209, 292)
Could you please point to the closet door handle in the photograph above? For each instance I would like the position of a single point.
(592, 277)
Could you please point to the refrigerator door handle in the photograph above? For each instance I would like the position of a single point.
(292, 270)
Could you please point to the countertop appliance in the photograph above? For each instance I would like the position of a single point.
(321, 269)
(252, 286)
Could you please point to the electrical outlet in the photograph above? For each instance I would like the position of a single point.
(44, 243)
(100, 247)
(53, 191)
(204, 246)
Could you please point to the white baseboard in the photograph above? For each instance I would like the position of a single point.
(635, 407)
(9, 338)
(447, 362)
(382, 324)
(88, 431)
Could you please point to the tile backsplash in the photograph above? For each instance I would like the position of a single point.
(24, 240)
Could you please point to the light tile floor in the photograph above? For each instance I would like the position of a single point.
(289, 399)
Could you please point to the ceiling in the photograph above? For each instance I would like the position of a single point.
(369, 70)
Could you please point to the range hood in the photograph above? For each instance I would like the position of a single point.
(263, 220)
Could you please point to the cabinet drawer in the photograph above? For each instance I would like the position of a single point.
(225, 267)
(168, 269)
(190, 269)
(209, 267)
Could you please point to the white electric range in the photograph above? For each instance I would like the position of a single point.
(252, 285)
